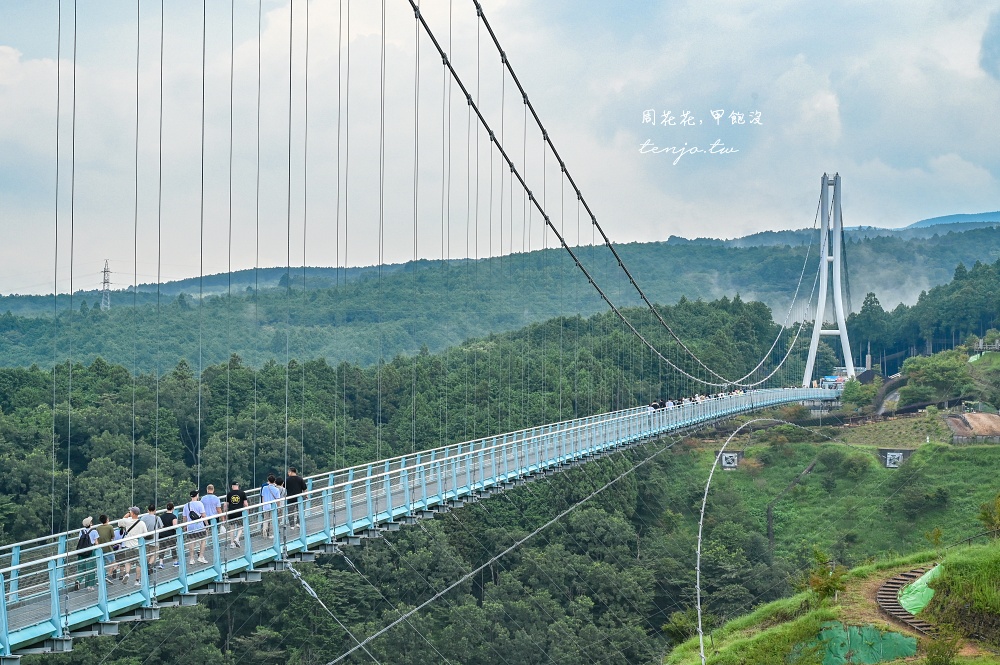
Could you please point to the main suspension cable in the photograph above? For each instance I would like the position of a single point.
(549, 223)
(607, 241)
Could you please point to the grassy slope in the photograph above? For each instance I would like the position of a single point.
(867, 507)
(967, 594)
(768, 635)
(988, 362)
(864, 510)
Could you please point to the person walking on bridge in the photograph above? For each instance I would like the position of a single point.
(85, 569)
(192, 513)
(294, 485)
(236, 503)
(269, 496)
(153, 524)
(105, 535)
(132, 529)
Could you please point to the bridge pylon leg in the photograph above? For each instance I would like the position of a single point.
(831, 256)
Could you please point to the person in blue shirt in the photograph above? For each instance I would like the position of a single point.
(213, 507)
(269, 498)
(211, 502)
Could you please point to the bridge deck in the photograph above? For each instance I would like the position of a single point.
(48, 593)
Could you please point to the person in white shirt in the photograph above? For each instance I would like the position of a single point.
(132, 530)
(192, 513)
(87, 565)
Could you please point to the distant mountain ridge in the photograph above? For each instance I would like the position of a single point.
(794, 237)
(957, 219)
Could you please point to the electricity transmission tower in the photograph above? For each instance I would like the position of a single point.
(831, 253)
(106, 288)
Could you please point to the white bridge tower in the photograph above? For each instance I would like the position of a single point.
(831, 255)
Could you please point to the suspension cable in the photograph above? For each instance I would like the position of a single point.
(159, 264)
(311, 592)
(229, 235)
(381, 233)
(607, 241)
(72, 257)
(288, 227)
(305, 226)
(548, 222)
(256, 259)
(508, 550)
(55, 266)
(201, 239)
(357, 570)
(135, 243)
(416, 190)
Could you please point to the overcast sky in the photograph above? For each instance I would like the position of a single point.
(901, 98)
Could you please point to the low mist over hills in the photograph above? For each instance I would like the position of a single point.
(363, 313)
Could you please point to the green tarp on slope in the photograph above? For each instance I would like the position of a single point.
(862, 644)
(915, 596)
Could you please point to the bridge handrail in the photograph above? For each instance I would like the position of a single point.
(381, 474)
(253, 492)
(610, 415)
(372, 475)
(35, 591)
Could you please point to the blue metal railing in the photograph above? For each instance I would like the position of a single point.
(48, 592)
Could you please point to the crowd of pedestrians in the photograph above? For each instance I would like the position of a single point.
(119, 545)
(661, 403)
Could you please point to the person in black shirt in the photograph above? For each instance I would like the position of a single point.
(295, 485)
(236, 502)
(168, 541)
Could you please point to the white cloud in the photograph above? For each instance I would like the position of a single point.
(893, 96)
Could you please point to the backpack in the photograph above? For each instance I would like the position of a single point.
(84, 540)
(192, 515)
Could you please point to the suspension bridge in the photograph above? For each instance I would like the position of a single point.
(51, 593)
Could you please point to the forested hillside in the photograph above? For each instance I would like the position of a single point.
(611, 582)
(337, 414)
(366, 314)
(943, 317)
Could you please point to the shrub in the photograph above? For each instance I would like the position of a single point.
(857, 465)
(942, 650)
